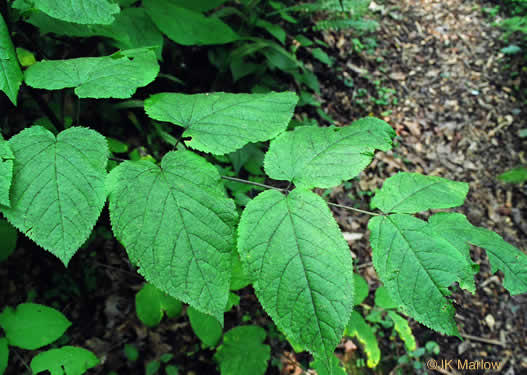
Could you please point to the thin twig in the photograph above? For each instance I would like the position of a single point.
(354, 209)
(252, 183)
(482, 339)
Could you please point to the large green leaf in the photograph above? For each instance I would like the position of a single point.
(114, 76)
(243, 352)
(6, 171)
(58, 187)
(301, 265)
(188, 27)
(357, 327)
(205, 327)
(177, 224)
(456, 229)
(320, 367)
(417, 266)
(68, 360)
(79, 11)
(413, 192)
(10, 73)
(220, 122)
(131, 29)
(32, 326)
(312, 156)
(4, 355)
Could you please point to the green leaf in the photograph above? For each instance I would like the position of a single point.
(4, 355)
(220, 122)
(361, 289)
(233, 300)
(312, 156)
(171, 370)
(32, 326)
(11, 75)
(6, 171)
(79, 11)
(336, 368)
(198, 5)
(417, 266)
(272, 29)
(383, 299)
(322, 56)
(9, 235)
(188, 27)
(205, 327)
(152, 367)
(148, 305)
(243, 352)
(58, 187)
(357, 327)
(171, 306)
(514, 175)
(116, 146)
(131, 29)
(404, 330)
(131, 352)
(302, 267)
(413, 192)
(240, 279)
(456, 229)
(68, 360)
(114, 76)
(177, 224)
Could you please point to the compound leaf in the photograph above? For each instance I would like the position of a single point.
(188, 27)
(456, 229)
(79, 11)
(301, 265)
(114, 76)
(417, 266)
(311, 156)
(221, 122)
(177, 224)
(58, 187)
(68, 360)
(243, 352)
(403, 329)
(4, 355)
(357, 327)
(6, 171)
(205, 327)
(132, 28)
(32, 326)
(413, 192)
(10, 73)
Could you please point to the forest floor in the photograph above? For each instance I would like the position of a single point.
(457, 116)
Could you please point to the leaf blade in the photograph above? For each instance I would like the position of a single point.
(79, 11)
(69, 360)
(11, 75)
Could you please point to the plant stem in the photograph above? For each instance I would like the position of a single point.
(44, 107)
(242, 181)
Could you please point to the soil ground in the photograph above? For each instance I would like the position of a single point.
(457, 116)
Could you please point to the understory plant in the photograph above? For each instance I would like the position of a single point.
(180, 208)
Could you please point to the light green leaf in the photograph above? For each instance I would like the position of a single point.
(417, 266)
(148, 305)
(205, 327)
(114, 76)
(357, 327)
(32, 326)
(239, 279)
(131, 29)
(311, 156)
(233, 300)
(177, 224)
(383, 299)
(58, 187)
(322, 56)
(272, 29)
(456, 229)
(9, 235)
(514, 175)
(171, 306)
(6, 171)
(243, 352)
(361, 289)
(188, 27)
(319, 366)
(79, 11)
(220, 122)
(4, 355)
(10, 73)
(404, 330)
(68, 360)
(413, 192)
(302, 267)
